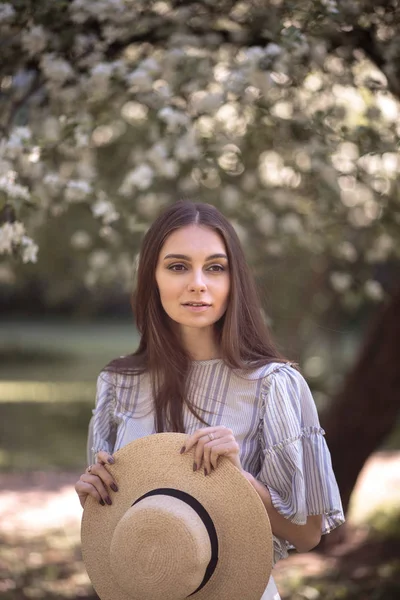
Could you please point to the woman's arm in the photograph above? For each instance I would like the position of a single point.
(303, 537)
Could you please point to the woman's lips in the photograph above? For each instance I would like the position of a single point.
(196, 308)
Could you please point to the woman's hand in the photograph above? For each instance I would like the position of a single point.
(96, 480)
(209, 444)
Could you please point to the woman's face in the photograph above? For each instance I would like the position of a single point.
(192, 275)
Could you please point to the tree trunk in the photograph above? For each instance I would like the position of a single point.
(365, 410)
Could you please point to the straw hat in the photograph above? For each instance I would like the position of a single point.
(172, 533)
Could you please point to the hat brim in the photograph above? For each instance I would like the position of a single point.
(238, 513)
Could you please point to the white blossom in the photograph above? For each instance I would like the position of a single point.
(173, 118)
(12, 189)
(98, 259)
(340, 282)
(253, 54)
(187, 148)
(53, 183)
(81, 138)
(29, 250)
(16, 142)
(81, 240)
(11, 234)
(272, 50)
(347, 251)
(56, 70)
(111, 33)
(34, 40)
(151, 65)
(374, 290)
(193, 100)
(7, 13)
(140, 178)
(105, 209)
(388, 105)
(158, 156)
(158, 152)
(77, 190)
(205, 125)
(139, 81)
(169, 169)
(134, 112)
(103, 10)
(381, 248)
(292, 224)
(331, 6)
(98, 85)
(206, 102)
(102, 71)
(148, 205)
(274, 248)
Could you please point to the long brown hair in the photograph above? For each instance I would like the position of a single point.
(243, 337)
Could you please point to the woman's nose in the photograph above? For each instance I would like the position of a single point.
(197, 281)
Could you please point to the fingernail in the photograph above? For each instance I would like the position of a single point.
(114, 487)
(194, 467)
(102, 502)
(108, 500)
(110, 460)
(182, 450)
(205, 472)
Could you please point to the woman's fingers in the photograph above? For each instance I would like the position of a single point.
(85, 489)
(201, 444)
(209, 443)
(223, 447)
(207, 452)
(203, 432)
(95, 482)
(200, 437)
(97, 488)
(104, 457)
(103, 474)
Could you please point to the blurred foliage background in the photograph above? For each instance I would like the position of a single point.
(283, 115)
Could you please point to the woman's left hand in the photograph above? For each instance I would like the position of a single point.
(210, 443)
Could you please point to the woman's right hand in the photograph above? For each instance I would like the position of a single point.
(96, 480)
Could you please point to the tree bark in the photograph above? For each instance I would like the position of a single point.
(365, 410)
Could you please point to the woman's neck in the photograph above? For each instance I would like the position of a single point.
(200, 343)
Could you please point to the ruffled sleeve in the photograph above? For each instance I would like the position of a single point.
(102, 429)
(296, 463)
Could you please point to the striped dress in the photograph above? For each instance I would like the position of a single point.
(272, 415)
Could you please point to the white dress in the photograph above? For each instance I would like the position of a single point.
(271, 591)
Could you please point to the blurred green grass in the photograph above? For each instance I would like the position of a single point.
(43, 435)
(48, 373)
(61, 350)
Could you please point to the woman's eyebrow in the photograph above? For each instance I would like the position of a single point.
(185, 257)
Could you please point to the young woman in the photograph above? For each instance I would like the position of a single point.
(206, 366)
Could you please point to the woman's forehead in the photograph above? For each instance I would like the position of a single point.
(194, 239)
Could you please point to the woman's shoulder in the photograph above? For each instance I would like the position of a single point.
(122, 371)
(268, 370)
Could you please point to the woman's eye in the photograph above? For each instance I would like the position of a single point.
(216, 268)
(176, 267)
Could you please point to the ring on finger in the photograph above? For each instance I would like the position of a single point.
(89, 469)
(210, 435)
